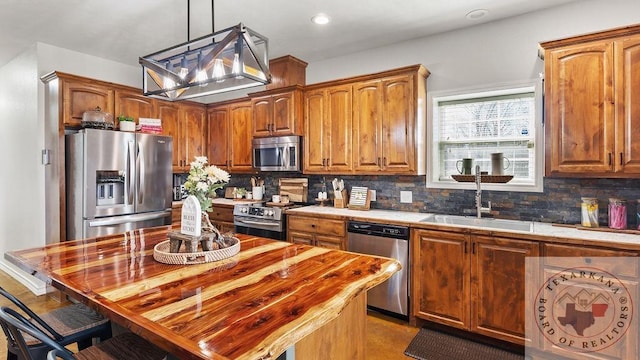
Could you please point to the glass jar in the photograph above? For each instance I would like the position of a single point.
(589, 212)
(638, 214)
(617, 214)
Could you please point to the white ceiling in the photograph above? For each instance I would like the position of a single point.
(124, 30)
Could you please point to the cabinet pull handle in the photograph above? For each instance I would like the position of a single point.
(621, 159)
(465, 247)
(384, 161)
(610, 161)
(378, 162)
(473, 247)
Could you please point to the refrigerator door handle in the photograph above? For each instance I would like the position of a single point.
(140, 170)
(129, 218)
(130, 172)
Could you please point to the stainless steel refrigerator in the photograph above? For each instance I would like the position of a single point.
(117, 181)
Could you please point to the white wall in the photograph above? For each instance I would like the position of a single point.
(23, 219)
(497, 52)
(22, 200)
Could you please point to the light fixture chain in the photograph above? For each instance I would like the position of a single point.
(213, 18)
(188, 20)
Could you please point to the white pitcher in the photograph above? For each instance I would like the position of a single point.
(497, 163)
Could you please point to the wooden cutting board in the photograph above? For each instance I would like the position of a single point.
(295, 188)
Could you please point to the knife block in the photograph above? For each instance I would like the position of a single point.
(341, 203)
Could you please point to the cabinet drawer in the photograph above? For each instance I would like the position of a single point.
(316, 226)
(583, 257)
(219, 213)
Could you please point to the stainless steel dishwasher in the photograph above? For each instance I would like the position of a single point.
(388, 241)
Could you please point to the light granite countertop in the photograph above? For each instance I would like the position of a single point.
(414, 219)
(223, 201)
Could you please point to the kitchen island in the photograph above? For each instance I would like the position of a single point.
(270, 297)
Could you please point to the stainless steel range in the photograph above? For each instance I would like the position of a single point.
(260, 220)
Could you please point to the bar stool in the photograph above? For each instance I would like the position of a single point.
(74, 323)
(127, 346)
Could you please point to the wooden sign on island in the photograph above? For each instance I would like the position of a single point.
(191, 221)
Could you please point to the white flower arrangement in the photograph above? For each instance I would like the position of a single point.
(203, 181)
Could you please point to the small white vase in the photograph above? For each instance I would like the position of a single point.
(127, 126)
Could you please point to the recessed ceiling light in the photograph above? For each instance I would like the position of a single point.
(477, 14)
(321, 19)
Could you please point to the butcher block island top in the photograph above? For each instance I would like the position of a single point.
(269, 297)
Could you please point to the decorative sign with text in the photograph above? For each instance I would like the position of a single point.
(191, 222)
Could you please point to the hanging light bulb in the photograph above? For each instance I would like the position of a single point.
(218, 70)
(202, 73)
(184, 68)
(235, 69)
(168, 82)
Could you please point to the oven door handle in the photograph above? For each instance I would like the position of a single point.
(257, 222)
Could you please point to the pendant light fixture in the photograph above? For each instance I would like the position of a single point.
(231, 59)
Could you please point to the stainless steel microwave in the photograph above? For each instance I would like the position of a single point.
(282, 153)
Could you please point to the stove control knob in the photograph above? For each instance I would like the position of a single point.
(269, 212)
(244, 210)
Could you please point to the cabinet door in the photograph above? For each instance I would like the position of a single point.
(367, 127)
(241, 136)
(316, 135)
(195, 132)
(627, 105)
(300, 238)
(579, 109)
(169, 114)
(330, 242)
(79, 97)
(338, 121)
(135, 105)
(441, 280)
(498, 286)
(218, 137)
(287, 113)
(398, 125)
(262, 116)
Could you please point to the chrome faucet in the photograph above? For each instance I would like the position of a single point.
(479, 207)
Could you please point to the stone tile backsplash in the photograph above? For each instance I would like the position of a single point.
(559, 203)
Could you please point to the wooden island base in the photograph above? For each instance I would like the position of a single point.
(343, 338)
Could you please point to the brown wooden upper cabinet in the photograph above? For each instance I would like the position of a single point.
(186, 124)
(591, 117)
(79, 95)
(327, 141)
(367, 125)
(134, 104)
(278, 113)
(229, 136)
(218, 148)
(384, 126)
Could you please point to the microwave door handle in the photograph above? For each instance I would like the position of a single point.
(130, 173)
(285, 156)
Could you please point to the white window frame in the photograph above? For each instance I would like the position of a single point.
(433, 165)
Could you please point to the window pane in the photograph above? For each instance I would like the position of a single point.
(478, 126)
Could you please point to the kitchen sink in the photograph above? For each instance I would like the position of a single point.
(501, 224)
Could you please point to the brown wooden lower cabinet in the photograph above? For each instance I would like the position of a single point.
(220, 216)
(329, 233)
(471, 282)
(558, 258)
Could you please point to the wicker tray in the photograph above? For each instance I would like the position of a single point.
(483, 178)
(162, 254)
